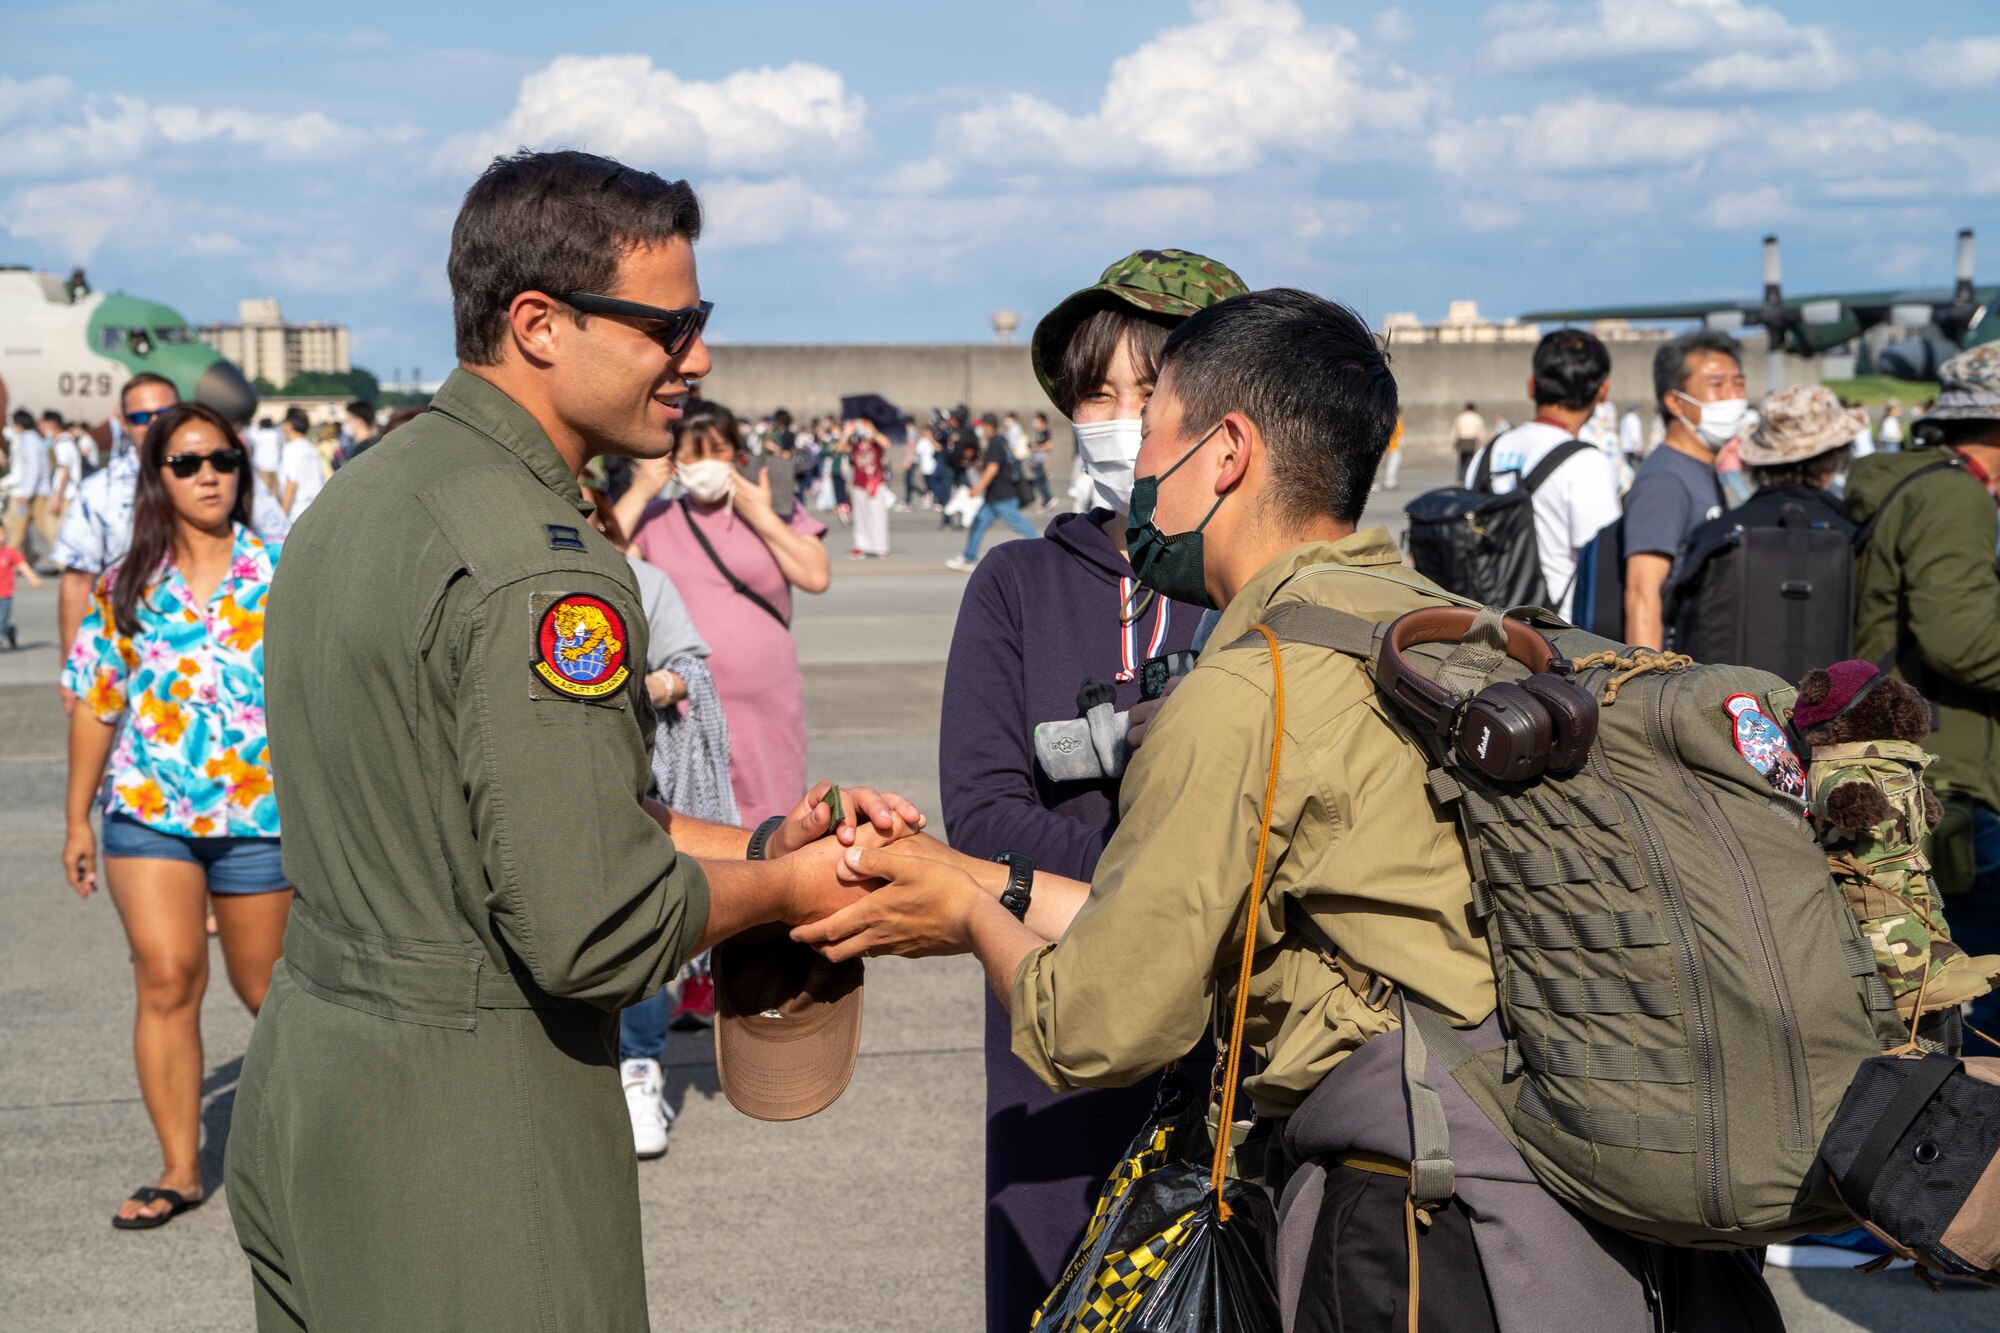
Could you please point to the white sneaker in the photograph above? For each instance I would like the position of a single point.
(646, 1102)
(960, 563)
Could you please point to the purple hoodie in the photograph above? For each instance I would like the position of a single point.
(1038, 618)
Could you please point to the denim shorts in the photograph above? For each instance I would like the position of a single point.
(234, 865)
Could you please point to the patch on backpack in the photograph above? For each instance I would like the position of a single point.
(1763, 746)
(580, 647)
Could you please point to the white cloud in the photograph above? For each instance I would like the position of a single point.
(1585, 134)
(1725, 45)
(1393, 27)
(1962, 63)
(1763, 206)
(52, 130)
(741, 214)
(74, 217)
(624, 107)
(1244, 80)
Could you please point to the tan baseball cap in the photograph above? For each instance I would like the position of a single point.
(787, 1024)
(1798, 422)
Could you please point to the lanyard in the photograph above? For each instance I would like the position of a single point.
(1129, 617)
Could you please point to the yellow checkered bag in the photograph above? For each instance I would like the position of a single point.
(1174, 1246)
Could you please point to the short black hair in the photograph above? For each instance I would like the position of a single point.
(50, 414)
(1670, 372)
(362, 408)
(1570, 367)
(1086, 357)
(144, 377)
(297, 419)
(1312, 377)
(552, 222)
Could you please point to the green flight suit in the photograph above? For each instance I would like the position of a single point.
(429, 1132)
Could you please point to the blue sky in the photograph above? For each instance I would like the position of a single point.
(890, 172)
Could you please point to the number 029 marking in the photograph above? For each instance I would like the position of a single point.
(84, 384)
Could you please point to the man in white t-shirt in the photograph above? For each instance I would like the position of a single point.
(1631, 433)
(1571, 376)
(28, 479)
(1468, 433)
(266, 444)
(301, 470)
(65, 467)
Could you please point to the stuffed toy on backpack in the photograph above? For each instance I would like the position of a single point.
(1871, 811)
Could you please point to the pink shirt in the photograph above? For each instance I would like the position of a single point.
(753, 657)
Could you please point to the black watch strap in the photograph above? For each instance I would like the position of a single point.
(762, 837)
(1020, 883)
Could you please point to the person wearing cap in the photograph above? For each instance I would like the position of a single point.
(1802, 440)
(1271, 415)
(1038, 619)
(429, 1131)
(1927, 600)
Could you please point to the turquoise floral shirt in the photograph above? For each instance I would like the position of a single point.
(191, 758)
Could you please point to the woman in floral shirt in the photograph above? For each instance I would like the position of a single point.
(168, 671)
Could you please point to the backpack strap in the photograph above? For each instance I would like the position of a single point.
(1552, 460)
(1867, 529)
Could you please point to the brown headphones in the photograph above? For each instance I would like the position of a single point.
(1510, 731)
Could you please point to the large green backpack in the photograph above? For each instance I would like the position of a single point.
(1684, 994)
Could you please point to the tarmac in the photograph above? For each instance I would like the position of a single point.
(867, 1216)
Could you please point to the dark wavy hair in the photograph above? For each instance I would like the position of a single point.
(153, 517)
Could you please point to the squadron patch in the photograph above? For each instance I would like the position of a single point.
(580, 647)
(1763, 746)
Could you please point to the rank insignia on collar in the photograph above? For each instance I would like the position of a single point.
(564, 538)
(580, 645)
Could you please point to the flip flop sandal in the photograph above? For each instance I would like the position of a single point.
(177, 1203)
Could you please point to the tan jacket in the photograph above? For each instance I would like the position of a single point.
(1355, 841)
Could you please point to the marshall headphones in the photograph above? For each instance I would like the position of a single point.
(1511, 731)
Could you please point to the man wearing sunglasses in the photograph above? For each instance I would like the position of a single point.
(98, 526)
(430, 1131)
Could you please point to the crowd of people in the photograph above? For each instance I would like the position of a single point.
(502, 825)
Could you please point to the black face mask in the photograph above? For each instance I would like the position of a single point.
(1169, 564)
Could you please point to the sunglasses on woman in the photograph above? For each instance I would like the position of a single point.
(677, 328)
(225, 462)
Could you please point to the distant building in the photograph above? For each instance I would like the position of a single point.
(264, 346)
(1463, 324)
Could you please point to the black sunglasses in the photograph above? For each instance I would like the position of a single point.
(226, 461)
(677, 328)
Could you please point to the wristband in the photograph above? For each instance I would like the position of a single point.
(758, 839)
(1020, 883)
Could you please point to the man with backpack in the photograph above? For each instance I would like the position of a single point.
(1698, 383)
(1271, 414)
(1928, 604)
(1577, 494)
(1770, 584)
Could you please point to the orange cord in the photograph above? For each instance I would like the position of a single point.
(1255, 907)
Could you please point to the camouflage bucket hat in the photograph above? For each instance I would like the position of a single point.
(1161, 282)
(1797, 423)
(1969, 386)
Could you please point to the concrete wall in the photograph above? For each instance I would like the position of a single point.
(1435, 380)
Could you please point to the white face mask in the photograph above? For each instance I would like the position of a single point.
(710, 481)
(1110, 449)
(1720, 420)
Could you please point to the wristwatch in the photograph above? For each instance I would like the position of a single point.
(760, 838)
(1020, 883)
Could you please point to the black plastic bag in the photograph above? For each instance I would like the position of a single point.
(1156, 1258)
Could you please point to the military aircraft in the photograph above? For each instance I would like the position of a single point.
(1952, 318)
(68, 349)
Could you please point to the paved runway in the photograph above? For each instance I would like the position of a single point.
(866, 1216)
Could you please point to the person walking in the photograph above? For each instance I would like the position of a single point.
(27, 480)
(872, 496)
(168, 671)
(12, 562)
(1468, 433)
(1038, 620)
(999, 486)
